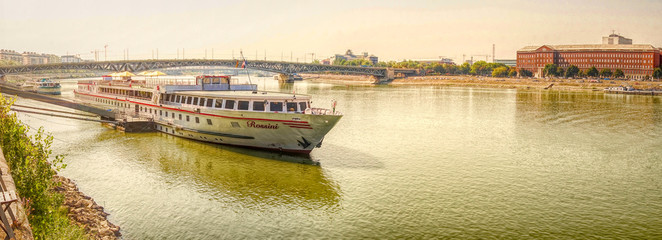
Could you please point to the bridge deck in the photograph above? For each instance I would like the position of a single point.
(142, 65)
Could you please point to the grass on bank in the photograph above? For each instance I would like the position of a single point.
(28, 158)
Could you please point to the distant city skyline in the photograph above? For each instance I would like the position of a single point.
(391, 30)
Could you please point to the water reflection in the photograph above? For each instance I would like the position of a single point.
(249, 176)
(611, 111)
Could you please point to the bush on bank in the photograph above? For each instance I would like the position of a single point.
(28, 159)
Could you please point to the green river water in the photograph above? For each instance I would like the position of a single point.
(405, 162)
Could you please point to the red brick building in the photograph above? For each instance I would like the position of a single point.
(616, 52)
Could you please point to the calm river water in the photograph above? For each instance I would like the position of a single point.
(404, 162)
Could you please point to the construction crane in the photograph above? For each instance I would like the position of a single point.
(96, 54)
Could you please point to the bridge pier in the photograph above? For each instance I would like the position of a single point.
(282, 77)
(390, 75)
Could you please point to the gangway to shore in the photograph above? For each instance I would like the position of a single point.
(8, 89)
(120, 121)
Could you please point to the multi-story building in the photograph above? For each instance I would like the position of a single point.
(439, 60)
(34, 58)
(507, 62)
(349, 56)
(70, 59)
(11, 55)
(616, 52)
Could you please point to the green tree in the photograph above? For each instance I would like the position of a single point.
(619, 73)
(657, 74)
(5, 62)
(606, 72)
(525, 73)
(438, 68)
(512, 72)
(500, 71)
(560, 72)
(28, 158)
(550, 70)
(572, 71)
(592, 72)
(465, 68)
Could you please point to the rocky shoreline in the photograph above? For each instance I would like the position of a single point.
(84, 211)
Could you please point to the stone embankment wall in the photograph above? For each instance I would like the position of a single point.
(22, 228)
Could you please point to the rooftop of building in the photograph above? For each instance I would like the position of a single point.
(593, 47)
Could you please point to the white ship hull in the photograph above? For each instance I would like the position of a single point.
(287, 132)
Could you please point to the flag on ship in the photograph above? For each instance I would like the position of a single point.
(237, 65)
(243, 65)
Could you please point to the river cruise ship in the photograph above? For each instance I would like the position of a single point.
(43, 86)
(212, 109)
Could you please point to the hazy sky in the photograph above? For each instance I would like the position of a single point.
(391, 30)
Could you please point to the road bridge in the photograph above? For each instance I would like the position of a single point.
(287, 68)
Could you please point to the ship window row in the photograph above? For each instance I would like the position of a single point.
(145, 95)
(172, 114)
(233, 104)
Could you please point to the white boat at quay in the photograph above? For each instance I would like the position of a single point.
(212, 109)
(43, 86)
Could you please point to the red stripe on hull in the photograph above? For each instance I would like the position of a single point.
(187, 111)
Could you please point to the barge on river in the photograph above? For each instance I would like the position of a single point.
(212, 109)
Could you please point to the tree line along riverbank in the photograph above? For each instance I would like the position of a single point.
(491, 82)
(54, 207)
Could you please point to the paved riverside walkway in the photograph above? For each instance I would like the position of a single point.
(22, 230)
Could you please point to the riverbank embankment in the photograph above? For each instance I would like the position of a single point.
(85, 211)
(21, 227)
(490, 82)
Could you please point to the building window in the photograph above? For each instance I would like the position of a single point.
(218, 103)
(210, 101)
(209, 121)
(197, 120)
(187, 118)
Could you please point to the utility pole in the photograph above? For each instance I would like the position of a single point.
(291, 54)
(105, 52)
(265, 54)
(157, 53)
